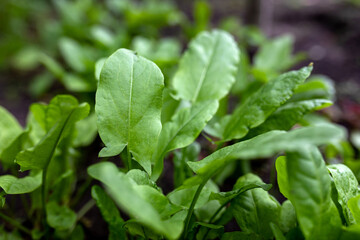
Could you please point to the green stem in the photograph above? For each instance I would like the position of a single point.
(129, 159)
(43, 191)
(85, 209)
(15, 223)
(191, 209)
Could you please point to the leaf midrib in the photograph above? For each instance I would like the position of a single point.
(205, 71)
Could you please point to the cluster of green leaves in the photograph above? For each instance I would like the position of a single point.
(246, 111)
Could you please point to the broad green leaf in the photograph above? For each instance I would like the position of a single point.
(61, 115)
(285, 117)
(346, 187)
(259, 106)
(13, 185)
(10, 129)
(169, 107)
(128, 106)
(354, 206)
(255, 208)
(282, 176)
(206, 70)
(271, 143)
(109, 212)
(287, 220)
(242, 78)
(182, 130)
(134, 199)
(60, 217)
(310, 193)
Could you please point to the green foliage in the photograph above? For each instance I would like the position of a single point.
(148, 112)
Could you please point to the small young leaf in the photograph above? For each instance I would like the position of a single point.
(128, 106)
(255, 209)
(206, 70)
(264, 102)
(182, 130)
(61, 115)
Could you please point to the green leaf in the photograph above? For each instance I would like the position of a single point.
(354, 206)
(206, 70)
(271, 143)
(59, 119)
(180, 158)
(275, 55)
(277, 232)
(285, 117)
(255, 208)
(73, 54)
(310, 193)
(60, 217)
(346, 187)
(109, 212)
(98, 66)
(10, 129)
(350, 233)
(259, 106)
(135, 200)
(86, 131)
(141, 178)
(128, 106)
(316, 87)
(182, 130)
(13, 185)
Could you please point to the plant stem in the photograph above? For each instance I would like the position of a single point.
(191, 208)
(85, 209)
(43, 191)
(129, 158)
(15, 223)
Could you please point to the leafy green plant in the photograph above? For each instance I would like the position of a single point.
(145, 122)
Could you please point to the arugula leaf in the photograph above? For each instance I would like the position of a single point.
(271, 143)
(310, 193)
(287, 219)
(259, 106)
(134, 199)
(206, 70)
(346, 187)
(255, 208)
(61, 115)
(182, 130)
(13, 185)
(282, 176)
(128, 106)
